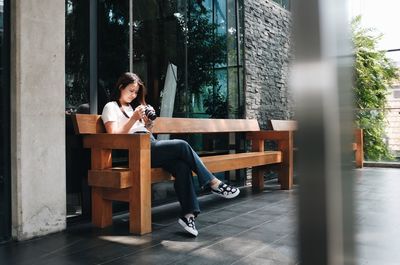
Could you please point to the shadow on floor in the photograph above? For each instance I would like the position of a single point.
(251, 229)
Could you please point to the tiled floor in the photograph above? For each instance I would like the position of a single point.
(252, 229)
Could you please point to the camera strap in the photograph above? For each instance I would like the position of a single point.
(122, 109)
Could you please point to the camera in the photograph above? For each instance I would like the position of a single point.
(150, 112)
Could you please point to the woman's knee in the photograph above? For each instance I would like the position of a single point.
(182, 145)
(180, 142)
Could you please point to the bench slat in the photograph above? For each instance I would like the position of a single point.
(121, 195)
(90, 124)
(242, 160)
(191, 125)
(119, 178)
(284, 125)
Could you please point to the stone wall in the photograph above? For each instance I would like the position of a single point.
(267, 52)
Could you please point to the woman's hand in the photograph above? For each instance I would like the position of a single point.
(147, 122)
(138, 113)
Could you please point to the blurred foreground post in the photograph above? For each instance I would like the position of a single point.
(321, 81)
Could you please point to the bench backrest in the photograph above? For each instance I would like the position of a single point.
(284, 125)
(90, 123)
(87, 124)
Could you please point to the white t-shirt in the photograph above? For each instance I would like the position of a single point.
(112, 112)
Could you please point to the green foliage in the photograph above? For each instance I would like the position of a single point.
(205, 48)
(374, 73)
(216, 104)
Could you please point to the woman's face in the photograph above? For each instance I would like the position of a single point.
(129, 93)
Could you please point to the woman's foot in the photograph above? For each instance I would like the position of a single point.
(225, 190)
(188, 224)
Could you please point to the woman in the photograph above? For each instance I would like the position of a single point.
(175, 156)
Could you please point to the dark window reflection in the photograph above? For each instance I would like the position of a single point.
(76, 54)
(113, 46)
(158, 44)
(76, 100)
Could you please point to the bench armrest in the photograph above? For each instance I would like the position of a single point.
(284, 139)
(285, 145)
(116, 141)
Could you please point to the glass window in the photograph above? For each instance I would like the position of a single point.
(113, 46)
(158, 46)
(76, 100)
(284, 3)
(76, 54)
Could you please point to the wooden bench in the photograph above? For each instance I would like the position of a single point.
(357, 145)
(133, 183)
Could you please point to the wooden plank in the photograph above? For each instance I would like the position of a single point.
(120, 178)
(114, 141)
(91, 124)
(257, 174)
(117, 178)
(159, 175)
(257, 178)
(116, 194)
(284, 125)
(228, 162)
(101, 208)
(140, 192)
(285, 144)
(192, 125)
(242, 160)
(268, 135)
(285, 171)
(87, 123)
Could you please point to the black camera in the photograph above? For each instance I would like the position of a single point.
(150, 112)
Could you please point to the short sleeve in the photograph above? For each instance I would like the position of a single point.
(109, 113)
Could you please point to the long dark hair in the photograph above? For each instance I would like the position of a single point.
(123, 81)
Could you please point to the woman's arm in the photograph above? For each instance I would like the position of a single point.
(112, 126)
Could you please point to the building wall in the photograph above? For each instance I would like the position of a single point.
(37, 117)
(267, 53)
(393, 118)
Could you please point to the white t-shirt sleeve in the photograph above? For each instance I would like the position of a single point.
(112, 112)
(109, 113)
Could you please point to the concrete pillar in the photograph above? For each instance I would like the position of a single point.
(37, 117)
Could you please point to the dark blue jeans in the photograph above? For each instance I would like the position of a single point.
(177, 157)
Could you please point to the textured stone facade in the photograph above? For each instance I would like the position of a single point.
(267, 52)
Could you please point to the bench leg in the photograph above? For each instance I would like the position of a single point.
(285, 176)
(257, 179)
(285, 168)
(101, 209)
(140, 211)
(359, 159)
(359, 152)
